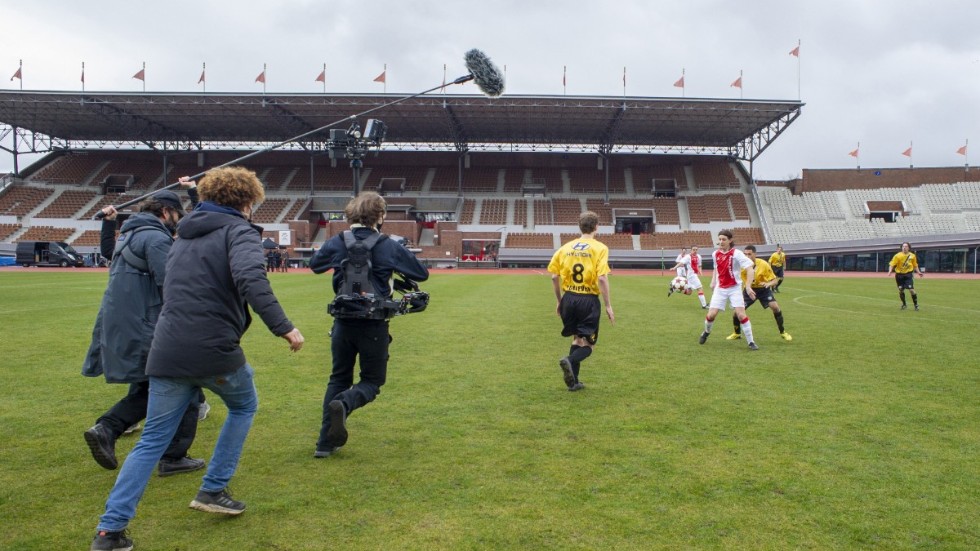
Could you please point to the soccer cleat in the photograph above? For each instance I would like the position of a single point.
(320, 454)
(186, 464)
(202, 411)
(786, 336)
(217, 502)
(103, 446)
(566, 371)
(916, 307)
(337, 434)
(111, 541)
(733, 337)
(670, 292)
(576, 386)
(703, 338)
(905, 306)
(753, 346)
(131, 429)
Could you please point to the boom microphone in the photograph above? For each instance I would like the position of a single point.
(482, 72)
(485, 74)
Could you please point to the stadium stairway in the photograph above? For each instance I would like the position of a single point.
(684, 215)
(427, 237)
(43, 205)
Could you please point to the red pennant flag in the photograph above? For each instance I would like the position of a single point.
(795, 52)
(737, 83)
(962, 150)
(322, 77)
(907, 152)
(140, 75)
(16, 75)
(679, 83)
(200, 80)
(381, 77)
(853, 153)
(261, 77)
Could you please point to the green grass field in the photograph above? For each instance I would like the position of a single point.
(861, 433)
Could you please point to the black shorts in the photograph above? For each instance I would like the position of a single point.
(905, 281)
(762, 294)
(580, 316)
(778, 270)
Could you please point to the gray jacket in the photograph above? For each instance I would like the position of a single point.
(131, 304)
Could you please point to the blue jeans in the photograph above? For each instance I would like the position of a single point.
(169, 399)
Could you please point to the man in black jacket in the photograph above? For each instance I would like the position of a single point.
(124, 328)
(368, 338)
(197, 344)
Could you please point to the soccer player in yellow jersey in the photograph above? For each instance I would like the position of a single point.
(579, 275)
(904, 264)
(763, 283)
(778, 262)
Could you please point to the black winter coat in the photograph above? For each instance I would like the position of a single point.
(217, 271)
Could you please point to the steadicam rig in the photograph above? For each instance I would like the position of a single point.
(482, 72)
(413, 300)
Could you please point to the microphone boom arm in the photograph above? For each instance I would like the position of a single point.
(463, 79)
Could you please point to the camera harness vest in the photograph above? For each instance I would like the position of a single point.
(356, 299)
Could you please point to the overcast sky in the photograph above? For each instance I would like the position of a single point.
(880, 72)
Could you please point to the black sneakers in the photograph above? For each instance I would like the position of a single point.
(566, 371)
(111, 541)
(916, 307)
(217, 502)
(576, 387)
(186, 464)
(103, 446)
(753, 346)
(905, 306)
(337, 434)
(703, 338)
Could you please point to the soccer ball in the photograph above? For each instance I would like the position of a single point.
(678, 284)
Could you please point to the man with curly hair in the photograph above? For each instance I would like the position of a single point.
(197, 344)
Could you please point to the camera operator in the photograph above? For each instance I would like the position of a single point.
(367, 338)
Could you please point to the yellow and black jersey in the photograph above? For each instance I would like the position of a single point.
(579, 264)
(904, 263)
(763, 273)
(777, 260)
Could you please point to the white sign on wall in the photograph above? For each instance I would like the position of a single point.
(286, 238)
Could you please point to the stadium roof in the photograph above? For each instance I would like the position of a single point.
(180, 121)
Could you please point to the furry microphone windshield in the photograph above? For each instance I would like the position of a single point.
(485, 74)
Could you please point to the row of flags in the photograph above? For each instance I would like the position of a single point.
(141, 75)
(382, 78)
(856, 152)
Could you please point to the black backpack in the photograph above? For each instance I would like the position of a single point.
(357, 266)
(356, 298)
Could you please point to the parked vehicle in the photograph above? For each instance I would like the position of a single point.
(48, 253)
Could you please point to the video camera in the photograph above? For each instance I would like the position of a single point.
(354, 144)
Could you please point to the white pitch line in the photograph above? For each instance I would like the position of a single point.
(917, 316)
(930, 306)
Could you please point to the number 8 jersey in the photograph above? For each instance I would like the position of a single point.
(579, 263)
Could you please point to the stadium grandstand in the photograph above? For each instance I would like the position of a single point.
(474, 181)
